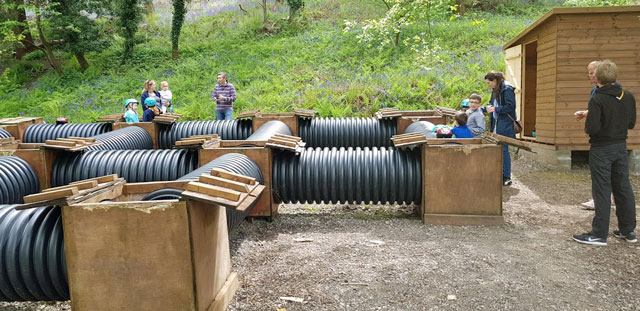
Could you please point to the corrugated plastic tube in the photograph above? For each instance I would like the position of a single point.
(39, 133)
(347, 132)
(226, 129)
(17, 179)
(128, 138)
(4, 133)
(132, 165)
(33, 266)
(339, 175)
(424, 127)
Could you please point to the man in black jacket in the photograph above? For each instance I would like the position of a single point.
(612, 112)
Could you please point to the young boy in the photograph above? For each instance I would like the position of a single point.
(131, 110)
(151, 111)
(461, 130)
(475, 118)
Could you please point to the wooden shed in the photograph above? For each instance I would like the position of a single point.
(547, 64)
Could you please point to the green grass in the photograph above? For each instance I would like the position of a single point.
(314, 66)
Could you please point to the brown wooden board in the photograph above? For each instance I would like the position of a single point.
(226, 183)
(289, 119)
(116, 117)
(130, 256)
(215, 191)
(85, 184)
(232, 176)
(51, 195)
(137, 191)
(265, 207)
(242, 143)
(248, 114)
(482, 170)
(224, 296)
(304, 113)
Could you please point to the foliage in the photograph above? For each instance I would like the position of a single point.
(294, 7)
(179, 12)
(129, 14)
(597, 2)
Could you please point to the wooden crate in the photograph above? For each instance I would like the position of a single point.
(39, 159)
(462, 184)
(266, 207)
(151, 255)
(290, 119)
(151, 127)
(17, 126)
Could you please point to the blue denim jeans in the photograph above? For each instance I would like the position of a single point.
(224, 114)
(506, 162)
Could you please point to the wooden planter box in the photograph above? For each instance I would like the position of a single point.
(462, 183)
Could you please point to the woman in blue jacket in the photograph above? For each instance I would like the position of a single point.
(501, 106)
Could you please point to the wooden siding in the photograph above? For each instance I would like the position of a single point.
(582, 38)
(546, 81)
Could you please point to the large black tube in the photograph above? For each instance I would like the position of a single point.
(347, 132)
(17, 179)
(4, 133)
(132, 165)
(32, 265)
(39, 133)
(227, 129)
(377, 175)
(230, 162)
(269, 129)
(424, 127)
(128, 138)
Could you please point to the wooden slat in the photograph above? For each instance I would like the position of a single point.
(225, 183)
(215, 191)
(51, 195)
(60, 143)
(100, 180)
(235, 177)
(85, 184)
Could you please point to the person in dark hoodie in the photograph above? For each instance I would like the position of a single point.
(612, 112)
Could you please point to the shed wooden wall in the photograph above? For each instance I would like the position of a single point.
(582, 38)
(546, 81)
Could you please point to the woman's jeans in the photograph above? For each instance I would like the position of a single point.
(224, 114)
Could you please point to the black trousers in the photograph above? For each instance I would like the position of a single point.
(610, 172)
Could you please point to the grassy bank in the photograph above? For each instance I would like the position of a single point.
(315, 65)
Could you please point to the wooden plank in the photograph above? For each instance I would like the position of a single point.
(100, 180)
(242, 143)
(235, 177)
(286, 143)
(186, 142)
(225, 183)
(85, 139)
(462, 220)
(83, 185)
(60, 143)
(224, 296)
(51, 195)
(461, 141)
(215, 191)
(248, 114)
(287, 137)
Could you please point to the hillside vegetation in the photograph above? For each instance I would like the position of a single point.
(313, 63)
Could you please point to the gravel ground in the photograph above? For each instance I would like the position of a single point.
(342, 257)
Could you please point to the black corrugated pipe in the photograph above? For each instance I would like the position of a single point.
(32, 265)
(424, 127)
(227, 129)
(347, 132)
(17, 179)
(269, 129)
(230, 162)
(4, 133)
(377, 175)
(128, 138)
(39, 133)
(132, 165)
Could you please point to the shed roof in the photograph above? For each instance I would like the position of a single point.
(571, 10)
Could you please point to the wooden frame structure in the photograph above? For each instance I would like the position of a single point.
(547, 63)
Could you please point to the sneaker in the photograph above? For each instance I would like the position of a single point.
(506, 181)
(629, 237)
(590, 239)
(589, 205)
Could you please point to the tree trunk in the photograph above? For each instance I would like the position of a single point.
(45, 44)
(82, 61)
(461, 8)
(27, 41)
(265, 21)
(397, 38)
(179, 12)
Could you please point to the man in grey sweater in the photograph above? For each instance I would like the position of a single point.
(475, 118)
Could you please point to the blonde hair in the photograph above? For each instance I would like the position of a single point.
(607, 72)
(147, 85)
(163, 83)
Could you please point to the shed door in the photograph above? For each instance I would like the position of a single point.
(513, 74)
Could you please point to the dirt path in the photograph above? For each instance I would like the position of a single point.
(383, 258)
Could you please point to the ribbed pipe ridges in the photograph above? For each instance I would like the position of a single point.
(39, 133)
(17, 179)
(377, 175)
(132, 165)
(226, 129)
(128, 138)
(4, 133)
(347, 132)
(32, 265)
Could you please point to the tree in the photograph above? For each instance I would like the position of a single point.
(15, 34)
(294, 8)
(179, 12)
(128, 14)
(46, 46)
(78, 33)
